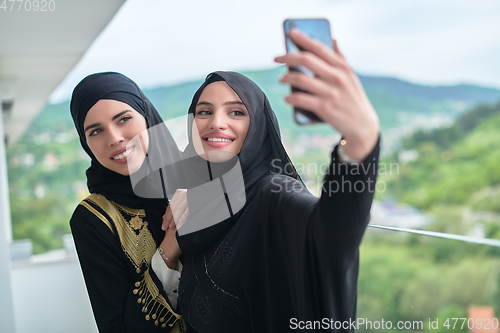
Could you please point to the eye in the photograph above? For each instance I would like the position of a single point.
(94, 132)
(203, 113)
(124, 119)
(238, 113)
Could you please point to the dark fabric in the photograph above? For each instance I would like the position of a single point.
(287, 254)
(262, 152)
(116, 187)
(290, 255)
(110, 276)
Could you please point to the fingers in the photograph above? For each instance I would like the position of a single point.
(313, 45)
(337, 50)
(178, 211)
(167, 219)
(304, 101)
(324, 108)
(317, 57)
(183, 218)
(310, 84)
(313, 63)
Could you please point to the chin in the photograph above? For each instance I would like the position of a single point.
(126, 169)
(219, 155)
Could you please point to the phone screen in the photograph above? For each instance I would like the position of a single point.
(318, 29)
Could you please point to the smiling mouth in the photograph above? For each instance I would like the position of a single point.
(218, 140)
(124, 154)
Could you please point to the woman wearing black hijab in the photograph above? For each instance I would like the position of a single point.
(286, 260)
(116, 231)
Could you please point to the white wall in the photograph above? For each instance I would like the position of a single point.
(50, 295)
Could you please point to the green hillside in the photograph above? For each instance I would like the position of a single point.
(455, 165)
(396, 102)
(47, 166)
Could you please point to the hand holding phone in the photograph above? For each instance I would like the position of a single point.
(318, 29)
(334, 93)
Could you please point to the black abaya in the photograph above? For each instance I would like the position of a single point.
(116, 231)
(288, 258)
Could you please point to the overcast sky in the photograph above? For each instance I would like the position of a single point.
(158, 42)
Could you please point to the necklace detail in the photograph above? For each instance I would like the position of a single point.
(136, 221)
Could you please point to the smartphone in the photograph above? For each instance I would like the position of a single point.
(318, 29)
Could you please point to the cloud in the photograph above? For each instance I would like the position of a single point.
(163, 42)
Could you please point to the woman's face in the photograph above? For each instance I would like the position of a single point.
(222, 121)
(111, 130)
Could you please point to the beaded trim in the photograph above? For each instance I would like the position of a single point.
(155, 306)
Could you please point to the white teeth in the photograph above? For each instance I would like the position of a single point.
(219, 140)
(122, 156)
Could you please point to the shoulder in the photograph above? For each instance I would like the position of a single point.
(94, 209)
(278, 184)
(279, 190)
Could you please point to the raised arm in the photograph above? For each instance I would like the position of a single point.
(321, 246)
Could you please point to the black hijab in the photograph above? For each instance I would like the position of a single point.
(114, 186)
(262, 153)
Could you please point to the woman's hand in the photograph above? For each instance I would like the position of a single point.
(177, 211)
(171, 248)
(335, 94)
(175, 216)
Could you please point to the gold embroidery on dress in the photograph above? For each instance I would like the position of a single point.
(155, 306)
(139, 246)
(136, 222)
(137, 241)
(98, 214)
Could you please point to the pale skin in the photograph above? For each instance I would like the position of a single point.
(112, 129)
(222, 121)
(114, 132)
(177, 211)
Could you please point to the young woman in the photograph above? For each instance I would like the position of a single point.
(118, 235)
(287, 259)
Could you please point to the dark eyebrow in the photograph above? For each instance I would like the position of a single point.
(234, 102)
(227, 103)
(204, 103)
(118, 115)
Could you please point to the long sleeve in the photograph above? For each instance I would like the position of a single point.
(342, 209)
(169, 278)
(316, 240)
(125, 297)
(290, 255)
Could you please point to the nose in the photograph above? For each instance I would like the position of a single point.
(218, 121)
(114, 136)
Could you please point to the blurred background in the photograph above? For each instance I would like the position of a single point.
(430, 69)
